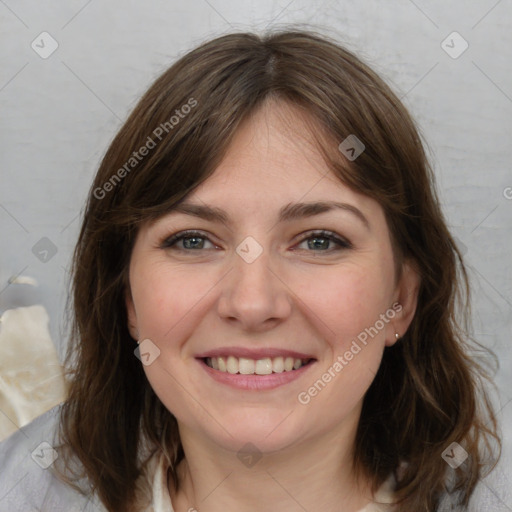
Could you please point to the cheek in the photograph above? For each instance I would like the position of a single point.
(349, 317)
(163, 297)
(348, 301)
(168, 302)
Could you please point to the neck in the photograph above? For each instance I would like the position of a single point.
(315, 474)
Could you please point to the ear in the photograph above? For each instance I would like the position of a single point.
(131, 314)
(406, 300)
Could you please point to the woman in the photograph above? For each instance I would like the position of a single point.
(264, 298)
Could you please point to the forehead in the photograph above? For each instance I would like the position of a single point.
(272, 160)
(277, 138)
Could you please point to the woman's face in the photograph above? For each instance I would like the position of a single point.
(273, 270)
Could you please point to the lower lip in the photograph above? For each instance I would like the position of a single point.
(255, 382)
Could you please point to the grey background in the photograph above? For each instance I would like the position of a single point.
(59, 114)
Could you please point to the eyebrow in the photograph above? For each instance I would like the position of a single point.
(291, 211)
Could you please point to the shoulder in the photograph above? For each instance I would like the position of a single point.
(27, 481)
(492, 493)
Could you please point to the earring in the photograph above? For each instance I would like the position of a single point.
(397, 336)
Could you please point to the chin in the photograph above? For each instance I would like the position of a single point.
(268, 434)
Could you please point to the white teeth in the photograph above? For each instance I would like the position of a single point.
(263, 366)
(278, 365)
(288, 364)
(247, 366)
(232, 365)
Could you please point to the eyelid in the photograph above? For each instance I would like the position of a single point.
(168, 241)
(340, 241)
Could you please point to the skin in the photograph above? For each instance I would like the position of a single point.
(294, 295)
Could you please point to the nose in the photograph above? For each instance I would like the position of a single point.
(254, 295)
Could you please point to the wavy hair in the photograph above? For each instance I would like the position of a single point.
(429, 390)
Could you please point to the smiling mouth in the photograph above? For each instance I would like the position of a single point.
(265, 366)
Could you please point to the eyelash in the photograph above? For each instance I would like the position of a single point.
(171, 241)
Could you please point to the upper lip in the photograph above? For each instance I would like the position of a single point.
(253, 353)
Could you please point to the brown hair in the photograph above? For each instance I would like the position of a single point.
(428, 391)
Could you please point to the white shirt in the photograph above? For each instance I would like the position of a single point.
(25, 486)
